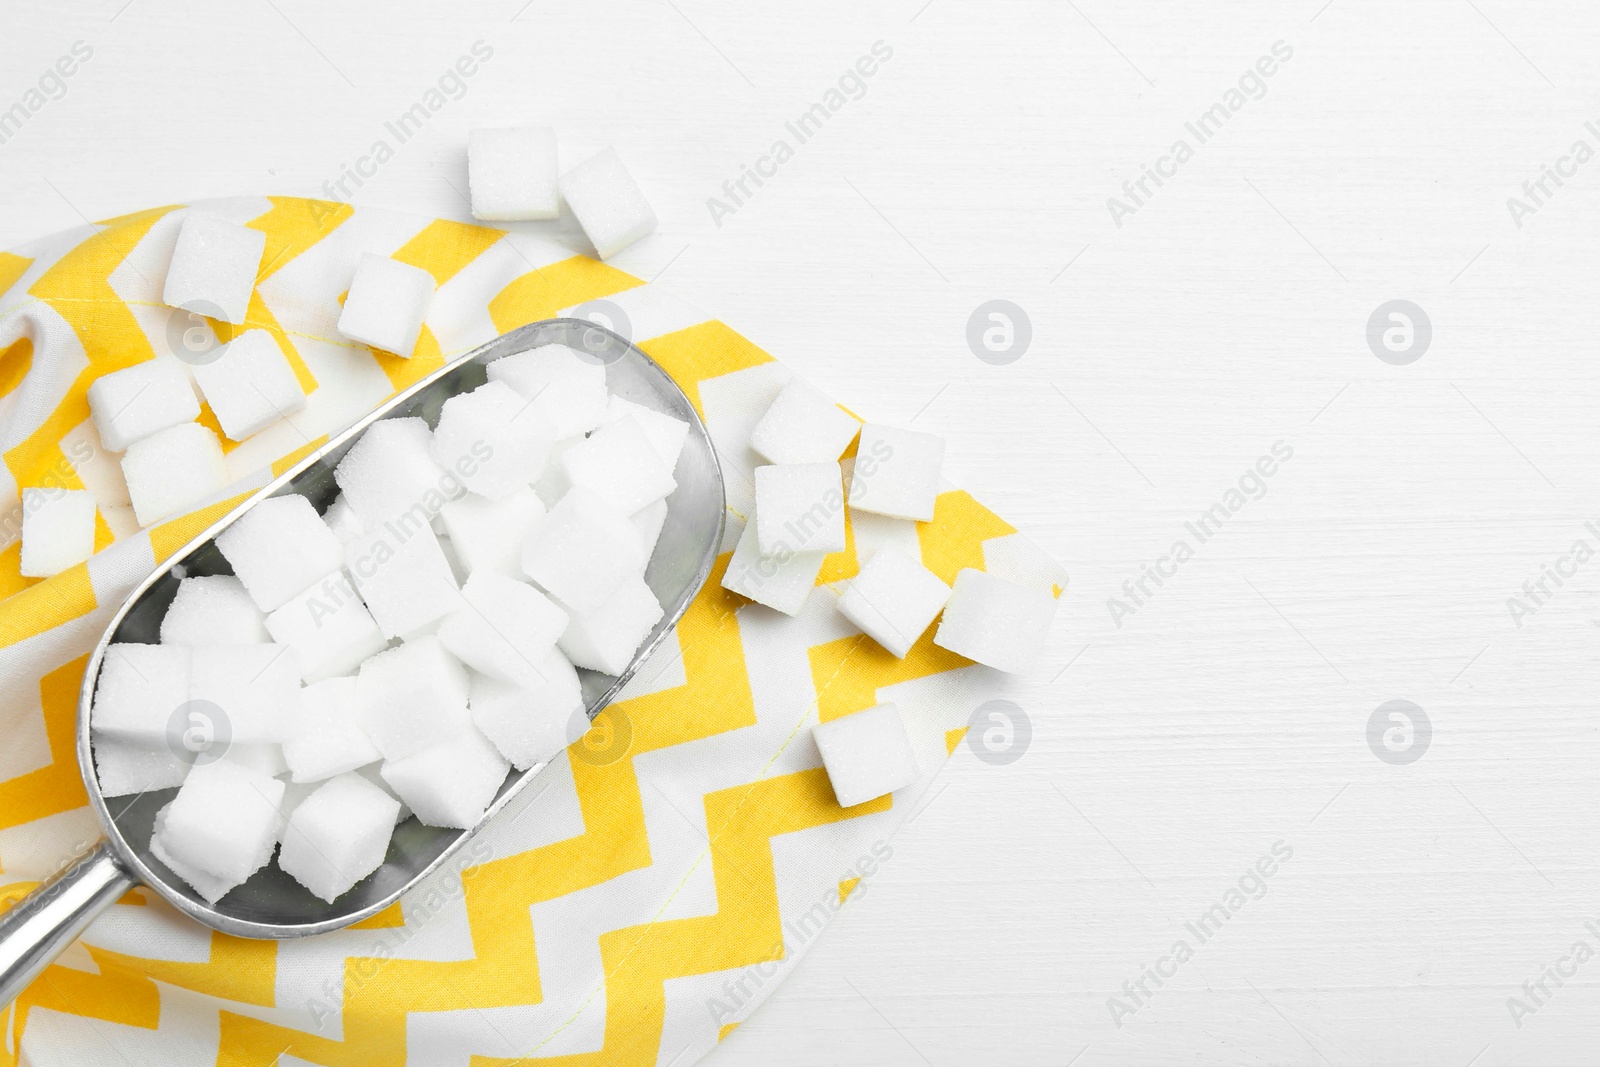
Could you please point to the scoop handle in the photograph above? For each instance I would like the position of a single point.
(42, 924)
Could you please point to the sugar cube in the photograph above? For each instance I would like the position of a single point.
(512, 174)
(322, 738)
(867, 754)
(553, 484)
(492, 439)
(328, 627)
(387, 302)
(503, 628)
(665, 432)
(782, 582)
(123, 767)
(139, 690)
(605, 638)
(57, 530)
(452, 783)
(995, 622)
(897, 472)
(607, 202)
(530, 723)
(488, 534)
(338, 835)
(803, 426)
(618, 462)
(565, 388)
(129, 405)
(250, 385)
(342, 519)
(173, 469)
(402, 573)
(893, 599)
(411, 697)
(213, 268)
(224, 820)
(279, 548)
(582, 550)
(373, 772)
(649, 520)
(213, 609)
(252, 691)
(265, 757)
(390, 471)
(799, 508)
(209, 886)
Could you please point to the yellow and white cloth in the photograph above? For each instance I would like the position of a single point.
(647, 892)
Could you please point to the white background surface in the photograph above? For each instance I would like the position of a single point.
(1229, 313)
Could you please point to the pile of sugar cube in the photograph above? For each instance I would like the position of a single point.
(801, 498)
(398, 653)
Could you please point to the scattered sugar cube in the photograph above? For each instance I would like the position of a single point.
(123, 767)
(530, 723)
(665, 432)
(995, 622)
(648, 521)
(129, 405)
(338, 835)
(897, 472)
(783, 582)
(553, 484)
(893, 599)
(411, 697)
(224, 820)
(213, 609)
(387, 302)
(402, 574)
(210, 887)
(139, 689)
(867, 754)
(513, 174)
(492, 440)
(265, 757)
(250, 384)
(605, 638)
(322, 737)
(373, 772)
(390, 471)
(279, 548)
(565, 388)
(488, 534)
(607, 203)
(342, 519)
(449, 784)
(582, 551)
(254, 689)
(619, 463)
(803, 426)
(57, 530)
(503, 628)
(800, 508)
(173, 469)
(328, 627)
(213, 269)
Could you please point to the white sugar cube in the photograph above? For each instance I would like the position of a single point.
(607, 202)
(782, 582)
(57, 530)
(582, 550)
(213, 268)
(250, 384)
(803, 426)
(328, 627)
(252, 691)
(896, 472)
(648, 521)
(264, 757)
(867, 754)
(512, 174)
(605, 638)
(488, 534)
(565, 388)
(492, 439)
(553, 484)
(278, 548)
(402, 573)
(800, 508)
(618, 463)
(995, 622)
(338, 835)
(172, 470)
(387, 302)
(504, 627)
(213, 610)
(665, 432)
(129, 405)
(390, 471)
(412, 697)
(140, 689)
(373, 772)
(530, 723)
(342, 519)
(209, 886)
(322, 737)
(224, 820)
(893, 599)
(123, 767)
(449, 784)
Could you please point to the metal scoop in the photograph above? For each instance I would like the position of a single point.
(271, 904)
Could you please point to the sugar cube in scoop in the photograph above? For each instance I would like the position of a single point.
(390, 471)
(619, 463)
(503, 628)
(139, 689)
(452, 783)
(867, 754)
(492, 439)
(387, 302)
(412, 697)
(224, 820)
(328, 627)
(582, 550)
(129, 405)
(213, 610)
(531, 722)
(666, 433)
(124, 767)
(323, 737)
(57, 530)
(278, 548)
(605, 638)
(488, 534)
(564, 387)
(401, 572)
(997, 623)
(338, 835)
